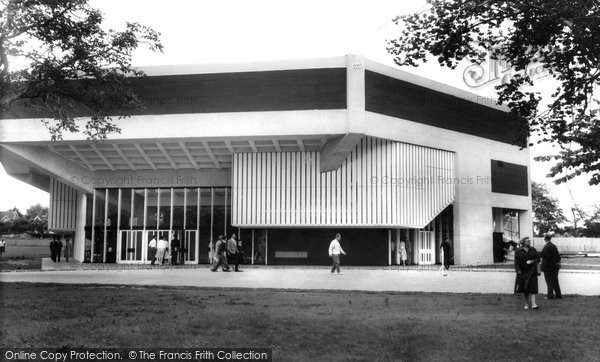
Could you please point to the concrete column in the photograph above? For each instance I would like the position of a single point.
(525, 224)
(473, 231)
(79, 238)
(526, 216)
(355, 96)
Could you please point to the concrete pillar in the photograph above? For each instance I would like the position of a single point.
(79, 238)
(473, 231)
(355, 96)
(525, 224)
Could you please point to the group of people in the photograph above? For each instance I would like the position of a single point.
(56, 247)
(225, 253)
(529, 265)
(161, 251)
(2, 247)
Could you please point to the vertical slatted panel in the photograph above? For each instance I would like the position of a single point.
(279, 194)
(381, 183)
(269, 188)
(395, 196)
(234, 195)
(261, 190)
(62, 212)
(355, 185)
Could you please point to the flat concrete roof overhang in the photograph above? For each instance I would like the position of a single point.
(301, 105)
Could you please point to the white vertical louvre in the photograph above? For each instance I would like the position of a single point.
(381, 183)
(62, 212)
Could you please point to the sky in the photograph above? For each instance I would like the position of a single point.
(228, 31)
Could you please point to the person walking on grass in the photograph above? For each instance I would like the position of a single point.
(550, 266)
(220, 255)
(526, 266)
(2, 247)
(335, 249)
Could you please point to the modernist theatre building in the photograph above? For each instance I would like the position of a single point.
(285, 154)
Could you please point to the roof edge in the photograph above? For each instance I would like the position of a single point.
(235, 67)
(430, 84)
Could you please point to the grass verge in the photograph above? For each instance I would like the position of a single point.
(300, 325)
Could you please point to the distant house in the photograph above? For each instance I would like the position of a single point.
(41, 217)
(9, 216)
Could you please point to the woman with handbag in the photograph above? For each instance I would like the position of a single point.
(527, 268)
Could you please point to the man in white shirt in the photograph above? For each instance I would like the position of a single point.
(161, 248)
(334, 252)
(3, 247)
(152, 248)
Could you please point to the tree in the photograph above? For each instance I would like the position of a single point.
(36, 210)
(563, 35)
(17, 211)
(72, 66)
(592, 224)
(578, 215)
(546, 212)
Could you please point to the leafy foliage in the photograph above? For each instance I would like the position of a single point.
(27, 222)
(69, 64)
(592, 224)
(546, 212)
(36, 210)
(563, 35)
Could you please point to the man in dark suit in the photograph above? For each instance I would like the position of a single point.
(175, 246)
(550, 266)
(53, 250)
(59, 246)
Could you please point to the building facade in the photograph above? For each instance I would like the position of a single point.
(285, 155)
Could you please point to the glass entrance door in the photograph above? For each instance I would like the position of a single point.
(189, 245)
(157, 234)
(131, 246)
(426, 244)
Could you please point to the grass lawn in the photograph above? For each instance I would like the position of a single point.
(24, 254)
(301, 325)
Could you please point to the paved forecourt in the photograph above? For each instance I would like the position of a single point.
(488, 281)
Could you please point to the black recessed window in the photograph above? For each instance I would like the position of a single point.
(509, 178)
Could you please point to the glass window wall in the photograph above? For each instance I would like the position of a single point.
(164, 214)
(178, 208)
(138, 215)
(125, 205)
(206, 237)
(151, 208)
(121, 222)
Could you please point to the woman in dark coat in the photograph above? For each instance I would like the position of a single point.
(526, 266)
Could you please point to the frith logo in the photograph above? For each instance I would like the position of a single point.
(499, 71)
